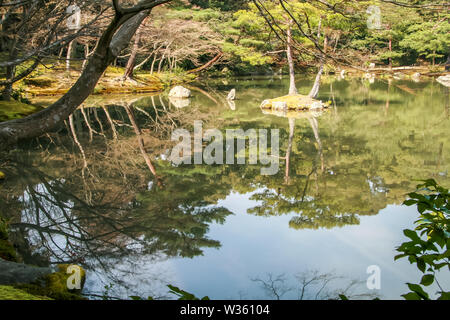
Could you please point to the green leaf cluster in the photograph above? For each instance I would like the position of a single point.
(429, 245)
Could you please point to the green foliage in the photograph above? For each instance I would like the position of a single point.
(206, 15)
(246, 54)
(3, 229)
(222, 5)
(180, 294)
(429, 245)
(429, 39)
(11, 293)
(13, 109)
(7, 251)
(183, 295)
(19, 95)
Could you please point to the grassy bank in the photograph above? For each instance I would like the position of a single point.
(13, 109)
(56, 80)
(11, 293)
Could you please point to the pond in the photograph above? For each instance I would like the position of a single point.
(102, 193)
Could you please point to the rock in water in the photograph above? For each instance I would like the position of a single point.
(316, 105)
(293, 102)
(180, 92)
(279, 105)
(444, 80)
(416, 77)
(232, 95)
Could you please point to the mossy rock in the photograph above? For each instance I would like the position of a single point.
(54, 285)
(294, 102)
(10, 110)
(60, 277)
(11, 293)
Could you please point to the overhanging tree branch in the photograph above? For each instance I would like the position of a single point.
(113, 40)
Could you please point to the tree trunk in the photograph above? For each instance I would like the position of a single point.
(390, 50)
(132, 60)
(86, 56)
(10, 73)
(161, 62)
(69, 54)
(337, 42)
(315, 89)
(292, 87)
(153, 63)
(8, 88)
(115, 38)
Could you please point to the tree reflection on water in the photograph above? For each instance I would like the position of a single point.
(101, 192)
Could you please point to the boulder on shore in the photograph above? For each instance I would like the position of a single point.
(444, 80)
(180, 92)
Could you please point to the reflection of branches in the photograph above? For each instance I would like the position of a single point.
(99, 122)
(140, 140)
(275, 287)
(315, 127)
(313, 285)
(86, 121)
(111, 122)
(289, 150)
(314, 278)
(98, 235)
(205, 93)
(110, 220)
(77, 142)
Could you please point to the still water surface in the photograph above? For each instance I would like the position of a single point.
(88, 194)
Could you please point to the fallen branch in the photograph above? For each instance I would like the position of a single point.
(208, 64)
